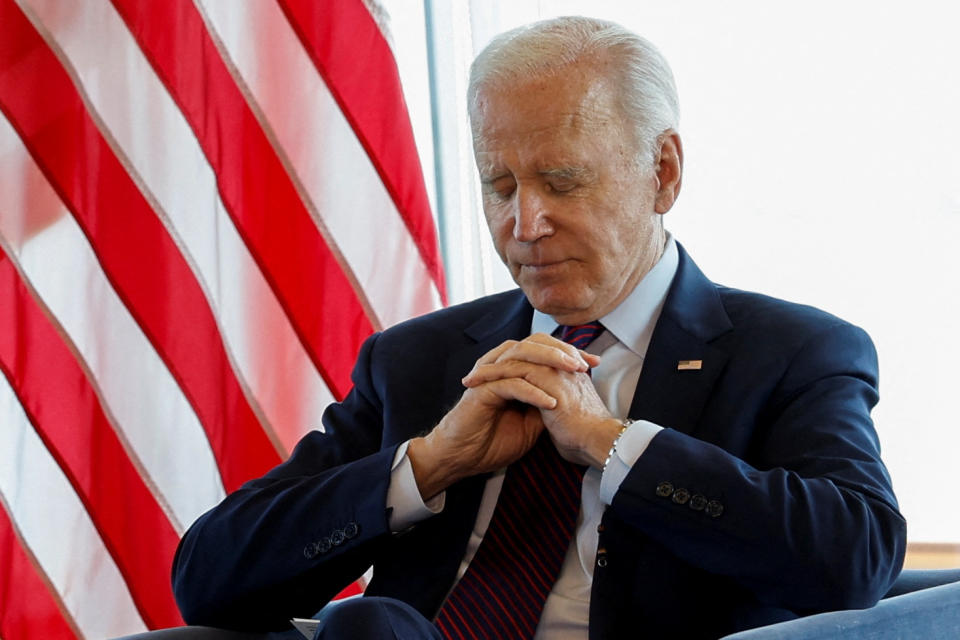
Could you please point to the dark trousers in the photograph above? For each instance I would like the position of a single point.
(358, 618)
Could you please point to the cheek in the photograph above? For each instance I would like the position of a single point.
(501, 230)
(616, 242)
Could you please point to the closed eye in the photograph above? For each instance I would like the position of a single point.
(561, 186)
(499, 188)
(566, 179)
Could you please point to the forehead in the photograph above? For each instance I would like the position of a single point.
(566, 112)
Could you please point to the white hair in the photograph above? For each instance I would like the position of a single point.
(647, 96)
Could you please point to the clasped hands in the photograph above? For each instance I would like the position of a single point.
(513, 393)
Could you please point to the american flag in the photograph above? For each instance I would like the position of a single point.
(205, 207)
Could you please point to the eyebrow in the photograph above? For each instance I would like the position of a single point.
(565, 173)
(568, 173)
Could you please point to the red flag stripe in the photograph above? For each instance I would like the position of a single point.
(78, 566)
(31, 608)
(155, 420)
(367, 88)
(325, 308)
(276, 373)
(137, 255)
(338, 182)
(104, 235)
(65, 411)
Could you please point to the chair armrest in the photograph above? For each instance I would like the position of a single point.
(916, 579)
(931, 614)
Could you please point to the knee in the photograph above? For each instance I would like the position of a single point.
(373, 618)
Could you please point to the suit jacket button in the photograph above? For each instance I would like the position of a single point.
(324, 545)
(310, 551)
(337, 537)
(602, 558)
(697, 502)
(681, 495)
(664, 489)
(351, 530)
(714, 509)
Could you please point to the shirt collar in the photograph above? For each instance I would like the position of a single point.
(633, 320)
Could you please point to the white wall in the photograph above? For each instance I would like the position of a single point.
(822, 165)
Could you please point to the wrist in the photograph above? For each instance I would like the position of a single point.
(436, 464)
(426, 468)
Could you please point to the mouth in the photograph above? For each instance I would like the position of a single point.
(542, 267)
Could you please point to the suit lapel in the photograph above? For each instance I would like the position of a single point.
(673, 386)
(510, 321)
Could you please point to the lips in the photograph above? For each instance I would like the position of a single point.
(542, 267)
(536, 259)
(538, 265)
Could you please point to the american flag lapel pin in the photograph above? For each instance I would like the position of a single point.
(689, 365)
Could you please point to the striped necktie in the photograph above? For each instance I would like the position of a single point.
(503, 591)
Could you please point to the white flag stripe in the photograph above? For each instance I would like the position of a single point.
(64, 541)
(328, 161)
(153, 417)
(150, 131)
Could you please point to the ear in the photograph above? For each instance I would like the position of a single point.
(669, 168)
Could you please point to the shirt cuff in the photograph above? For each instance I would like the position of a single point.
(404, 503)
(630, 447)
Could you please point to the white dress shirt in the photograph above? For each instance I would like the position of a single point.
(622, 348)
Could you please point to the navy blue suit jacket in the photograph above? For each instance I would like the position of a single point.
(788, 509)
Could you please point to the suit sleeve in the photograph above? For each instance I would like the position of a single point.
(284, 544)
(800, 512)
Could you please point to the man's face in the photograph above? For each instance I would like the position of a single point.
(570, 207)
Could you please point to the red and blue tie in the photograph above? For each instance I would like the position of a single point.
(503, 591)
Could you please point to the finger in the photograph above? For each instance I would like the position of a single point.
(519, 390)
(547, 339)
(543, 349)
(570, 389)
(494, 354)
(529, 352)
(591, 359)
(483, 373)
(504, 368)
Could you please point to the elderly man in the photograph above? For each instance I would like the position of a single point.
(620, 448)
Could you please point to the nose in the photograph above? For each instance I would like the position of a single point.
(531, 218)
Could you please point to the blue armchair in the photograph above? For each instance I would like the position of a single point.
(923, 604)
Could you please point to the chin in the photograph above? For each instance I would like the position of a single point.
(565, 310)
